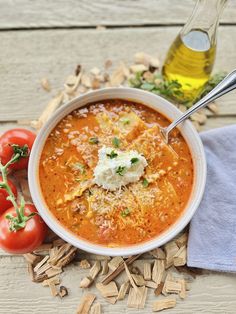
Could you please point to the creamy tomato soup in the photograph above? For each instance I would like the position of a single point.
(107, 175)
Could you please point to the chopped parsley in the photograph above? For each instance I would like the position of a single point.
(134, 160)
(112, 154)
(120, 170)
(93, 140)
(116, 142)
(78, 167)
(125, 212)
(145, 182)
(125, 121)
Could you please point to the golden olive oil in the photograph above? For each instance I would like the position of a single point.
(190, 61)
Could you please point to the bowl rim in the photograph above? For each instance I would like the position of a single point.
(136, 95)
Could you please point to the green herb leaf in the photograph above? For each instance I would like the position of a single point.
(78, 167)
(120, 170)
(125, 121)
(125, 212)
(145, 183)
(116, 142)
(112, 154)
(134, 160)
(93, 140)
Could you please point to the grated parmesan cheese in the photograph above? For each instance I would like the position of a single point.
(117, 168)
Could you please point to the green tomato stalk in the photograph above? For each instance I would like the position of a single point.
(18, 222)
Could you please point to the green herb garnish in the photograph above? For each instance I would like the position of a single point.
(116, 142)
(125, 121)
(78, 167)
(93, 140)
(172, 90)
(112, 154)
(125, 212)
(120, 170)
(134, 160)
(145, 183)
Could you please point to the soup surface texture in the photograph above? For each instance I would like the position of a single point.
(134, 212)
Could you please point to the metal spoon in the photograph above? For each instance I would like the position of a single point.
(224, 87)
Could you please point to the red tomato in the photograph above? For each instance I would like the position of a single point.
(19, 137)
(4, 203)
(26, 239)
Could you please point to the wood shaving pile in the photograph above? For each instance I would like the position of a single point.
(166, 273)
(83, 81)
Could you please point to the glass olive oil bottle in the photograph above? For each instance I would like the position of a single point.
(191, 56)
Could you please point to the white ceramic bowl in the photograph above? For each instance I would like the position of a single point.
(150, 100)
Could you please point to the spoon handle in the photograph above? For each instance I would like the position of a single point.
(225, 86)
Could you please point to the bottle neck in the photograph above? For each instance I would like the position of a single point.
(205, 17)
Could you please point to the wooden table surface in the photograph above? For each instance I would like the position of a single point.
(48, 39)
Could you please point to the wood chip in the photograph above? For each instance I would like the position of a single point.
(86, 80)
(115, 262)
(158, 271)
(95, 269)
(67, 258)
(48, 111)
(151, 284)
(63, 291)
(105, 267)
(182, 293)
(137, 299)
(64, 249)
(135, 68)
(43, 247)
(53, 272)
(147, 60)
(159, 288)
(123, 290)
(168, 278)
(196, 125)
(117, 76)
(53, 289)
(54, 280)
(213, 107)
(32, 258)
(182, 240)
(163, 304)
(86, 303)
(130, 278)
(30, 271)
(199, 117)
(171, 249)
(86, 282)
(139, 280)
(40, 264)
(192, 271)
(45, 84)
(96, 309)
(95, 71)
(116, 272)
(158, 253)
(58, 242)
(84, 264)
(43, 269)
(147, 271)
(78, 69)
(180, 258)
(109, 290)
(111, 300)
(40, 278)
(173, 286)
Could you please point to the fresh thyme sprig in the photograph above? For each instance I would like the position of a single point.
(171, 90)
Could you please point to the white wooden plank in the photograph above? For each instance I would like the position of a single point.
(82, 13)
(214, 293)
(55, 54)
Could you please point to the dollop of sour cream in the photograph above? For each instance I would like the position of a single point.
(116, 168)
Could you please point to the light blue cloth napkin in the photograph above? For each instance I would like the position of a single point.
(212, 236)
